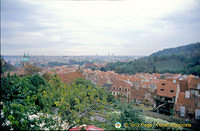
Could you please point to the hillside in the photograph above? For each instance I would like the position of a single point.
(181, 50)
(183, 59)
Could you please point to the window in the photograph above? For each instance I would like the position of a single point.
(172, 91)
(168, 99)
(197, 114)
(198, 86)
(182, 111)
(126, 89)
(187, 94)
(114, 88)
(163, 83)
(162, 89)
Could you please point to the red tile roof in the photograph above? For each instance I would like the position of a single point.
(138, 94)
(193, 82)
(166, 88)
(69, 77)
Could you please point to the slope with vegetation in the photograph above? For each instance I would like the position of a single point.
(183, 59)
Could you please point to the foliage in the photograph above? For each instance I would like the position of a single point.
(6, 66)
(46, 76)
(25, 97)
(71, 62)
(80, 62)
(75, 102)
(31, 70)
(184, 59)
(19, 97)
(125, 114)
(181, 51)
(103, 69)
(56, 64)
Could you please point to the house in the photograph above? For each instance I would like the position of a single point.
(167, 90)
(176, 95)
(188, 102)
(121, 87)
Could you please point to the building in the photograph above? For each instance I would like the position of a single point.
(122, 88)
(25, 60)
(175, 95)
(167, 94)
(188, 102)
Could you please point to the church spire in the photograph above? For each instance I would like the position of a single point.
(28, 55)
(24, 55)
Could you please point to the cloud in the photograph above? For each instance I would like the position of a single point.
(128, 27)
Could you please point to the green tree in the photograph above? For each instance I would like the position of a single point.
(31, 70)
(5, 67)
(118, 69)
(126, 115)
(103, 69)
(18, 97)
(154, 69)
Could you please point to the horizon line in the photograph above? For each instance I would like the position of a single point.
(80, 55)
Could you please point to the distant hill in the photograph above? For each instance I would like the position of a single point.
(183, 59)
(181, 50)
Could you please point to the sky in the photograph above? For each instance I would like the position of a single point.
(97, 27)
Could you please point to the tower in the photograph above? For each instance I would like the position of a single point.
(25, 60)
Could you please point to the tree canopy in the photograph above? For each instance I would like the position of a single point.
(25, 96)
(184, 59)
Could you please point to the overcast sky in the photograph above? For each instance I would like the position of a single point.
(123, 27)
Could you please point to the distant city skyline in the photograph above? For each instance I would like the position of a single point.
(76, 28)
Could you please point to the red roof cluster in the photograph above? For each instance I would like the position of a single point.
(183, 90)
